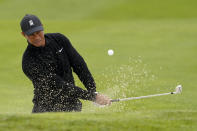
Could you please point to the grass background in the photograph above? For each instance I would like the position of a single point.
(155, 49)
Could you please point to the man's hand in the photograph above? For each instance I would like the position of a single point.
(102, 100)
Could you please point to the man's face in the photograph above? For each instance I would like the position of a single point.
(36, 39)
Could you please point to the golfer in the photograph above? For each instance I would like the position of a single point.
(48, 62)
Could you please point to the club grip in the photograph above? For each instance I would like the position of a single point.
(115, 100)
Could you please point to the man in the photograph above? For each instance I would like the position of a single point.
(48, 62)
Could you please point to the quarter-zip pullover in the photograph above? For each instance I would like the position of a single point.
(50, 70)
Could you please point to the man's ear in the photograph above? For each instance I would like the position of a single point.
(23, 34)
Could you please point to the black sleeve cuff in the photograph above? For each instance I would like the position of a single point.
(84, 94)
(92, 96)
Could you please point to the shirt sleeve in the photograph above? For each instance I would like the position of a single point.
(42, 77)
(79, 66)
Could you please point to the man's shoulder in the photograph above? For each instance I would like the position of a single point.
(59, 38)
(27, 53)
(55, 35)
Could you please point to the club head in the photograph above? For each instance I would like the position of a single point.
(178, 89)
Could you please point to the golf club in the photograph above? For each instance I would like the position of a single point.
(178, 90)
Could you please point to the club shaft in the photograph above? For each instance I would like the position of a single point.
(141, 97)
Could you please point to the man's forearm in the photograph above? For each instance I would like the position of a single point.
(84, 94)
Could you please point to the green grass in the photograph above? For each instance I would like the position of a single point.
(95, 121)
(155, 50)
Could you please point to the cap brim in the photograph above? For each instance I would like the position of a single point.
(35, 29)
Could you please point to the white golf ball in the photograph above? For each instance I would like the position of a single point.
(110, 52)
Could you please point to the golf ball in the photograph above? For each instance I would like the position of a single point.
(110, 52)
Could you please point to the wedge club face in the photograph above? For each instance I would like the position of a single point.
(178, 89)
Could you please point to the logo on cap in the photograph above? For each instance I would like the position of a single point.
(31, 23)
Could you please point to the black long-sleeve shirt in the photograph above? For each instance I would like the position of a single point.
(50, 70)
